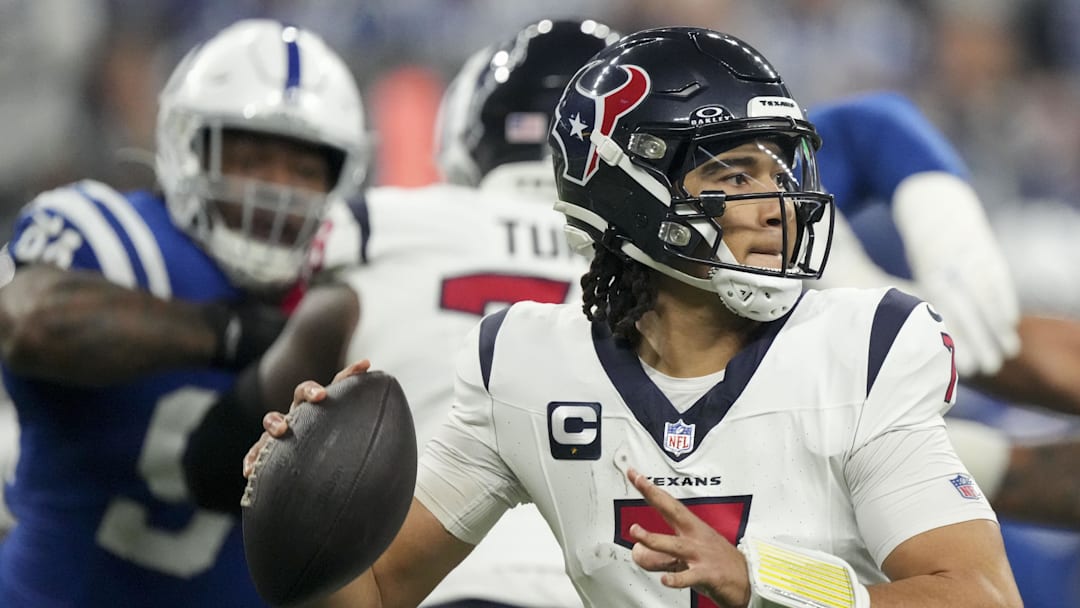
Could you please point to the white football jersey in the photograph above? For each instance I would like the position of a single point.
(432, 262)
(825, 431)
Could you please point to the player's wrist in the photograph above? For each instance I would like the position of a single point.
(794, 577)
(243, 332)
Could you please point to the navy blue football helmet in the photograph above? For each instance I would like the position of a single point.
(650, 109)
(497, 111)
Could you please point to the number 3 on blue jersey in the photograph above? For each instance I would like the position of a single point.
(124, 530)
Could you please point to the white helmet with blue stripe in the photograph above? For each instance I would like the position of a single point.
(264, 77)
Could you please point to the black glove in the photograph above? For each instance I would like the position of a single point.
(220, 441)
(245, 330)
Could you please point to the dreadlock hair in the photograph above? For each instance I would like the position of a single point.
(617, 291)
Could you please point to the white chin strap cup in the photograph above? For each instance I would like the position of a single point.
(756, 297)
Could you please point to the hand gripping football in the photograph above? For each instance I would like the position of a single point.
(325, 500)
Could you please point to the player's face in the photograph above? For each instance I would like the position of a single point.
(276, 160)
(753, 228)
(292, 168)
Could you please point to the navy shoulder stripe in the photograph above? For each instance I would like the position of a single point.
(359, 208)
(489, 329)
(891, 313)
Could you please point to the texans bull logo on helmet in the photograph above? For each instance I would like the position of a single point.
(584, 110)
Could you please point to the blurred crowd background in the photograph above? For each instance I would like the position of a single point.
(79, 80)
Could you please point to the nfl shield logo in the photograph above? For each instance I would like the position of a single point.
(966, 486)
(678, 437)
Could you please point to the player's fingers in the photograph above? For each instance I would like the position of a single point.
(977, 348)
(674, 512)
(971, 345)
(353, 369)
(1008, 338)
(275, 423)
(663, 543)
(655, 561)
(253, 454)
(309, 391)
(699, 580)
(1004, 320)
(996, 292)
(978, 333)
(681, 579)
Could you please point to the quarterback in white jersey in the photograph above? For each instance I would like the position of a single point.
(801, 459)
(791, 443)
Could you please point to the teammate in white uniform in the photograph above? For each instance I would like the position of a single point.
(434, 260)
(438, 259)
(803, 427)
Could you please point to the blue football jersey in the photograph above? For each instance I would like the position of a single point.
(98, 493)
(870, 143)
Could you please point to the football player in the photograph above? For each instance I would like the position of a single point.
(900, 180)
(436, 259)
(803, 432)
(144, 334)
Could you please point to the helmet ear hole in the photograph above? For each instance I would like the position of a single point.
(335, 162)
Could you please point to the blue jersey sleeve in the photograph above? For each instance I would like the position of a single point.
(90, 226)
(49, 230)
(872, 142)
(97, 525)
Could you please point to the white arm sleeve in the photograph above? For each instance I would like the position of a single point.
(461, 478)
(904, 476)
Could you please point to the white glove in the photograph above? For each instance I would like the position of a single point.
(958, 267)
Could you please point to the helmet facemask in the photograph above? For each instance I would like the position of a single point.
(747, 213)
(687, 234)
(776, 174)
(259, 231)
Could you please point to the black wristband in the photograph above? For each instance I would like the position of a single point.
(244, 331)
(217, 446)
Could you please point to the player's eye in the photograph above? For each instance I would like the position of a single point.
(739, 180)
